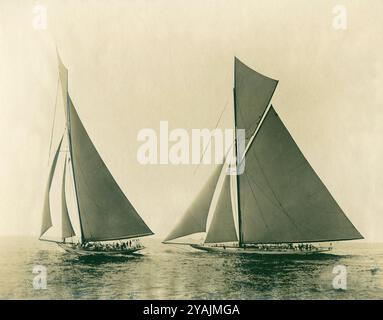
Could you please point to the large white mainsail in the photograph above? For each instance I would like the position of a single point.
(282, 198)
(106, 213)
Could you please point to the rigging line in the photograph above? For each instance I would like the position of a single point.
(274, 202)
(252, 138)
(284, 210)
(66, 177)
(277, 204)
(216, 125)
(261, 189)
(263, 117)
(54, 118)
(70, 177)
(72, 190)
(84, 218)
(256, 203)
(205, 227)
(212, 211)
(234, 210)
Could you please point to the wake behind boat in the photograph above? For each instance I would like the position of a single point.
(278, 204)
(104, 212)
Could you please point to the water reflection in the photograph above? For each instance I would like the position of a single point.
(270, 277)
(164, 272)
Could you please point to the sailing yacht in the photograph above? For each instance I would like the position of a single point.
(104, 212)
(280, 204)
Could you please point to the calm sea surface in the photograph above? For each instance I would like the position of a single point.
(180, 272)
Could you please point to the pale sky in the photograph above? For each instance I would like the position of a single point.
(134, 63)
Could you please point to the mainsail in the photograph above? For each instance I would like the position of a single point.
(47, 219)
(282, 198)
(222, 227)
(66, 225)
(105, 212)
(195, 218)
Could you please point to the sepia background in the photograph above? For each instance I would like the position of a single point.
(134, 63)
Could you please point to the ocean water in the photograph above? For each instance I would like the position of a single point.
(180, 272)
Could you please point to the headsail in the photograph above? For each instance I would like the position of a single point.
(222, 227)
(253, 92)
(195, 218)
(47, 219)
(282, 198)
(105, 212)
(66, 225)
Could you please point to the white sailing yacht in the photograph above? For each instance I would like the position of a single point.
(280, 204)
(104, 213)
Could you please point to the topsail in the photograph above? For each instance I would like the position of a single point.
(252, 94)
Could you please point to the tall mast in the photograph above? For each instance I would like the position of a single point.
(237, 159)
(72, 161)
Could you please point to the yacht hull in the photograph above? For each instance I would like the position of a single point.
(73, 249)
(255, 251)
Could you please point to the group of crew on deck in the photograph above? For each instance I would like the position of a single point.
(287, 246)
(115, 246)
(274, 247)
